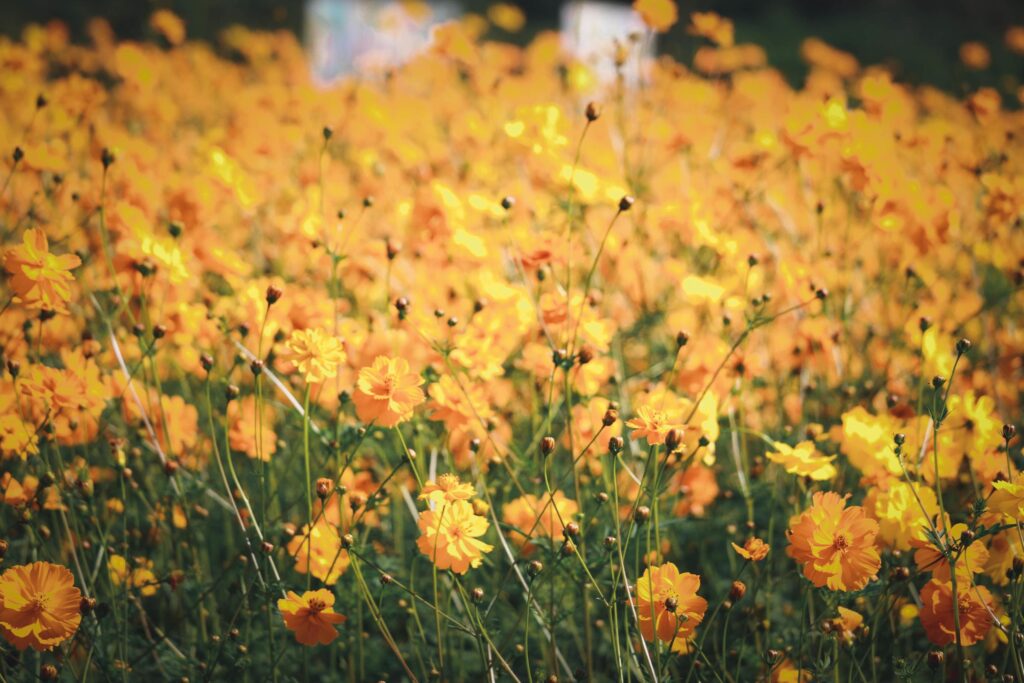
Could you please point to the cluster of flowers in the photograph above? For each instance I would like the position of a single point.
(250, 328)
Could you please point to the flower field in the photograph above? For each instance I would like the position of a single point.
(490, 367)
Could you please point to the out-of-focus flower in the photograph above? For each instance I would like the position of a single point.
(973, 604)
(715, 28)
(659, 15)
(803, 460)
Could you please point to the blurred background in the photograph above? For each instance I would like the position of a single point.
(918, 39)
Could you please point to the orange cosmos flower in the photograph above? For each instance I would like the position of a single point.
(320, 549)
(659, 15)
(311, 616)
(386, 392)
(929, 559)
(651, 424)
(39, 279)
(846, 624)
(715, 28)
(803, 460)
(449, 536)
(530, 514)
(835, 544)
(668, 605)
(39, 605)
(447, 489)
(937, 612)
(315, 354)
(754, 549)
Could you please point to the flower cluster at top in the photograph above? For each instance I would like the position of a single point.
(557, 362)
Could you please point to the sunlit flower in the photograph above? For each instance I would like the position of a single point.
(39, 279)
(659, 15)
(39, 605)
(314, 353)
(320, 550)
(668, 606)
(446, 489)
(450, 535)
(387, 392)
(803, 460)
(715, 28)
(311, 616)
(651, 424)
(754, 549)
(835, 544)
(531, 516)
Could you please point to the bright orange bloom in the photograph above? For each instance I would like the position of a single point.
(315, 354)
(937, 612)
(835, 544)
(697, 489)
(450, 536)
(39, 279)
(659, 15)
(447, 489)
(323, 552)
(668, 605)
(651, 424)
(387, 392)
(846, 624)
(754, 549)
(929, 559)
(803, 460)
(311, 616)
(715, 28)
(39, 605)
(533, 516)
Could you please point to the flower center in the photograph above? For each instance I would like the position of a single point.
(388, 385)
(840, 543)
(39, 603)
(316, 606)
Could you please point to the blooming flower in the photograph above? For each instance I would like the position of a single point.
(930, 559)
(142, 577)
(39, 279)
(846, 624)
(529, 515)
(668, 606)
(450, 536)
(754, 549)
(446, 489)
(311, 616)
(315, 354)
(659, 15)
(39, 605)
(387, 392)
(651, 424)
(835, 544)
(973, 603)
(319, 549)
(803, 460)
